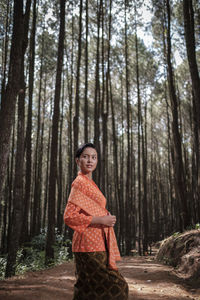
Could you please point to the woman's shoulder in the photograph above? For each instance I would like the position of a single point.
(78, 182)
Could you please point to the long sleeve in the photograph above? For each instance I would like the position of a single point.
(84, 201)
(75, 218)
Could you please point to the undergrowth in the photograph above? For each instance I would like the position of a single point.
(31, 257)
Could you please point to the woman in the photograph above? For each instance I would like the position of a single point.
(94, 243)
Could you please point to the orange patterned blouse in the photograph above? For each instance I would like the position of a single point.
(85, 201)
(85, 238)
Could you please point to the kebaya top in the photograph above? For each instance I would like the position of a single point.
(85, 201)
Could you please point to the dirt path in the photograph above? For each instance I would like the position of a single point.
(146, 278)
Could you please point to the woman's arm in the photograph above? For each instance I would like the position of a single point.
(79, 222)
(75, 219)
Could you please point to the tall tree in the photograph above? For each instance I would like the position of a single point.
(70, 125)
(128, 112)
(109, 95)
(180, 185)
(97, 93)
(36, 224)
(29, 124)
(188, 14)
(77, 96)
(104, 104)
(121, 173)
(86, 75)
(14, 237)
(144, 157)
(8, 102)
(49, 253)
(60, 170)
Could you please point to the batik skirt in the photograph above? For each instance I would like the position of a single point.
(95, 281)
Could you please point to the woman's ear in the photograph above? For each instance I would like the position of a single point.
(77, 161)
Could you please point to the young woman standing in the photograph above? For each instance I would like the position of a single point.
(94, 243)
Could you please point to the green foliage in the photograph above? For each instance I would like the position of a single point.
(175, 234)
(193, 226)
(2, 266)
(167, 261)
(38, 242)
(197, 226)
(31, 257)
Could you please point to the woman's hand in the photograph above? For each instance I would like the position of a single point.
(108, 220)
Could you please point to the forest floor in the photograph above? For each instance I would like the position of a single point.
(147, 279)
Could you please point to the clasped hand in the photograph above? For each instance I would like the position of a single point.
(109, 220)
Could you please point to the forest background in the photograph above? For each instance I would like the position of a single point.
(98, 71)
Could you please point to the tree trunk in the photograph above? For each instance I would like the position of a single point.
(11, 183)
(104, 105)
(97, 96)
(121, 174)
(36, 224)
(49, 254)
(8, 103)
(188, 14)
(144, 158)
(109, 95)
(29, 127)
(60, 173)
(47, 163)
(128, 172)
(180, 186)
(18, 193)
(77, 98)
(5, 53)
(17, 213)
(70, 127)
(86, 77)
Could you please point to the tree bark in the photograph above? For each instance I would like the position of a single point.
(86, 77)
(180, 186)
(97, 96)
(60, 173)
(77, 98)
(14, 238)
(70, 125)
(5, 53)
(8, 103)
(36, 224)
(47, 163)
(128, 172)
(49, 254)
(188, 14)
(29, 126)
(144, 157)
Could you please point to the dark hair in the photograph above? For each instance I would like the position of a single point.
(83, 147)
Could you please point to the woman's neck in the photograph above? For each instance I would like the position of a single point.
(88, 175)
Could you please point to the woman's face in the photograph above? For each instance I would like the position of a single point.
(87, 161)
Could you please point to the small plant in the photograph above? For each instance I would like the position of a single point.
(38, 242)
(2, 267)
(197, 226)
(31, 257)
(175, 234)
(167, 260)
